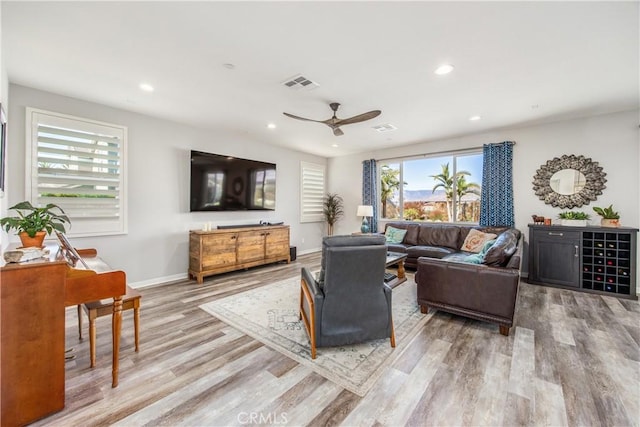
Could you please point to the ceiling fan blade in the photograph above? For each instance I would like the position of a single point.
(302, 118)
(359, 118)
(337, 132)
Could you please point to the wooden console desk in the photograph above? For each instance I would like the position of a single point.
(33, 297)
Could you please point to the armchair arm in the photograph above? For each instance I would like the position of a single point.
(387, 292)
(311, 300)
(310, 281)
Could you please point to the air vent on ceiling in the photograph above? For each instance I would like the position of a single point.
(300, 82)
(385, 127)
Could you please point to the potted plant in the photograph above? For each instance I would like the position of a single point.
(33, 224)
(332, 210)
(610, 218)
(574, 218)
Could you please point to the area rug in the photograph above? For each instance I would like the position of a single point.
(270, 315)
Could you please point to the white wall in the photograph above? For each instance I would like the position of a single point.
(156, 247)
(611, 140)
(4, 97)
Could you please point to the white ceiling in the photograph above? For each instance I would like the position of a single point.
(515, 63)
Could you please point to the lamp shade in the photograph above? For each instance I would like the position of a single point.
(365, 210)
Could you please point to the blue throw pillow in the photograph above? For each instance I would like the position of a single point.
(479, 257)
(394, 235)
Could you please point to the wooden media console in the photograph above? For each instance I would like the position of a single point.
(219, 251)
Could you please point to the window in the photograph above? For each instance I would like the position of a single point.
(214, 188)
(444, 187)
(78, 164)
(312, 189)
(263, 183)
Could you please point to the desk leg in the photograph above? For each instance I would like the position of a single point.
(116, 325)
(401, 274)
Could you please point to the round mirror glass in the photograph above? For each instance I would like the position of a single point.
(567, 181)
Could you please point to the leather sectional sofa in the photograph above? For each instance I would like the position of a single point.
(485, 291)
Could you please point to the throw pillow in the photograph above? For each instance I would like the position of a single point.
(394, 235)
(475, 240)
(506, 245)
(479, 257)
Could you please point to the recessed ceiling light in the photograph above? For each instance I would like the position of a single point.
(334, 145)
(146, 87)
(444, 69)
(271, 126)
(474, 118)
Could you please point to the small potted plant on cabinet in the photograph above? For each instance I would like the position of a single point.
(610, 218)
(574, 218)
(33, 224)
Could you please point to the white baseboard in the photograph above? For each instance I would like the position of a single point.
(183, 276)
(309, 251)
(158, 280)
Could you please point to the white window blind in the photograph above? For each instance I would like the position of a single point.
(79, 165)
(312, 189)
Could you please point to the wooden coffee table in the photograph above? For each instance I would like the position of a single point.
(396, 258)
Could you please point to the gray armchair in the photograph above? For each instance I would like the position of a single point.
(349, 303)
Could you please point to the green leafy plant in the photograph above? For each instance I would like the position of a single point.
(31, 219)
(573, 215)
(333, 209)
(607, 213)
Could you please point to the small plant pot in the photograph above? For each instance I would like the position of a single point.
(36, 241)
(610, 222)
(574, 222)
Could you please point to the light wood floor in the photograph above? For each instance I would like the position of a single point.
(571, 359)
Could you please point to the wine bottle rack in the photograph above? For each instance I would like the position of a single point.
(606, 261)
(591, 259)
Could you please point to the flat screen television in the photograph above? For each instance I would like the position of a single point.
(226, 183)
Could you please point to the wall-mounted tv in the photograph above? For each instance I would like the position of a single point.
(226, 183)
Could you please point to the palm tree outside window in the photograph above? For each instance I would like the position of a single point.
(442, 188)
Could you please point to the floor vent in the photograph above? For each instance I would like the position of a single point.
(300, 82)
(385, 128)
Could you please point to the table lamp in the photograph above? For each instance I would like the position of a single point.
(364, 211)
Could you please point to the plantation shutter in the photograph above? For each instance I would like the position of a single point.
(78, 164)
(312, 192)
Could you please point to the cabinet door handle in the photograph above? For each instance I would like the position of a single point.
(576, 253)
(551, 233)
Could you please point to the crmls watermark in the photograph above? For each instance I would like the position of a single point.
(272, 418)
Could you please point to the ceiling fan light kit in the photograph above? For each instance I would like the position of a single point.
(334, 123)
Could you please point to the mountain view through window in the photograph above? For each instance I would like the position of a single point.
(444, 188)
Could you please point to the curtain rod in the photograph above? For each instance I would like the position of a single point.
(436, 153)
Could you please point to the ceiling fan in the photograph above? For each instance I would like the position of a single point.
(335, 123)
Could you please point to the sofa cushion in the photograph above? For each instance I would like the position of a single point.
(429, 251)
(456, 256)
(474, 258)
(398, 247)
(506, 244)
(411, 238)
(475, 241)
(394, 235)
(439, 235)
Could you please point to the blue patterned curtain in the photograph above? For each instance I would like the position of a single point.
(370, 190)
(496, 207)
